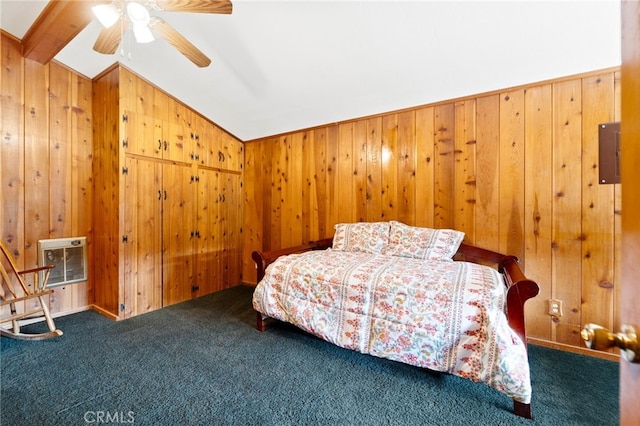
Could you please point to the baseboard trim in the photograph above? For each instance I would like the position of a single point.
(568, 348)
(104, 312)
(28, 321)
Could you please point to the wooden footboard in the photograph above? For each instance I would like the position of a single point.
(520, 288)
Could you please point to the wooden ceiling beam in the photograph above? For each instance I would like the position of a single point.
(57, 25)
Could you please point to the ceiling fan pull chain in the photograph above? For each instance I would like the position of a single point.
(121, 38)
(129, 37)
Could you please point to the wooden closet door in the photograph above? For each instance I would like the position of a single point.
(178, 241)
(230, 225)
(141, 135)
(209, 242)
(142, 287)
(179, 146)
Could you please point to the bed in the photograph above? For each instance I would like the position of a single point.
(409, 294)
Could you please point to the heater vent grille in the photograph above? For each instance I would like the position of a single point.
(69, 255)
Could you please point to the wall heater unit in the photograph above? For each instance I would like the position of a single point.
(69, 255)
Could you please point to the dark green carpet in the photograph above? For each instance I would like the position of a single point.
(203, 362)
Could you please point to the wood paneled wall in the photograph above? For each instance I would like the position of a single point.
(45, 160)
(516, 170)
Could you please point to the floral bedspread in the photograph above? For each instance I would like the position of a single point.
(444, 316)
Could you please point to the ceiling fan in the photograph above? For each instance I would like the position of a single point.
(137, 14)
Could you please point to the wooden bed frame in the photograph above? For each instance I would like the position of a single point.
(520, 289)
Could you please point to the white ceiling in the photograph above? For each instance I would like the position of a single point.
(279, 66)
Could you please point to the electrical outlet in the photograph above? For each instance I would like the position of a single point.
(555, 307)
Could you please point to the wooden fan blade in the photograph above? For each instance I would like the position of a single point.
(195, 6)
(178, 41)
(109, 38)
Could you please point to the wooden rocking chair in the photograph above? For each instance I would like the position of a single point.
(14, 289)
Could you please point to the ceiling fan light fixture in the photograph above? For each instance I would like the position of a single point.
(138, 14)
(140, 18)
(142, 33)
(107, 14)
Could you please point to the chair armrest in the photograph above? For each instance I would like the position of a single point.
(39, 286)
(38, 269)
